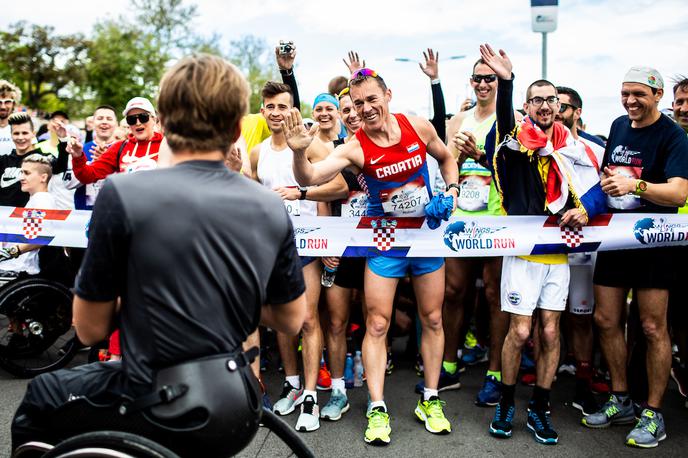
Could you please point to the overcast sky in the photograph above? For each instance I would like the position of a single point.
(594, 45)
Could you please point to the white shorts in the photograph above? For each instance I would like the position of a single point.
(581, 296)
(529, 285)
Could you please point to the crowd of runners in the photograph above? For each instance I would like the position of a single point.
(618, 316)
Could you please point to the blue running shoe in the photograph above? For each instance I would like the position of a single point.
(540, 423)
(501, 425)
(475, 355)
(490, 394)
(527, 363)
(446, 382)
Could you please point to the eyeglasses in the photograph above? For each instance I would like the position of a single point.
(538, 101)
(142, 117)
(6, 101)
(566, 106)
(487, 78)
(362, 73)
(344, 92)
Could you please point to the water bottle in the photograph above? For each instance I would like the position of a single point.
(358, 370)
(349, 371)
(327, 278)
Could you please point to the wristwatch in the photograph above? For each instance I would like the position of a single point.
(454, 185)
(640, 187)
(303, 192)
(14, 251)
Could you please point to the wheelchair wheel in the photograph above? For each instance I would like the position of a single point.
(287, 434)
(112, 444)
(36, 333)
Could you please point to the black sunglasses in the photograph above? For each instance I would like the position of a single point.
(142, 117)
(487, 78)
(566, 106)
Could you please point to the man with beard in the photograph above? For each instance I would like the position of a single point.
(530, 161)
(9, 97)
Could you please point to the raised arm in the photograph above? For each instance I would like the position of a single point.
(502, 66)
(431, 69)
(285, 62)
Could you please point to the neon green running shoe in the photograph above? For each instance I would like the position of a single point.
(378, 430)
(430, 412)
(470, 341)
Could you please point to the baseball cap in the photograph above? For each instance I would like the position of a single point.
(644, 75)
(141, 103)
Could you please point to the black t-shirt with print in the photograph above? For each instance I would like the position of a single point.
(653, 153)
(193, 251)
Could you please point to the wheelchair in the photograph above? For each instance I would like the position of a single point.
(208, 407)
(36, 333)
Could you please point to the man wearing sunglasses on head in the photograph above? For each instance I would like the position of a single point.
(539, 170)
(390, 151)
(137, 152)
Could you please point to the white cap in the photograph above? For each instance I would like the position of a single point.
(141, 103)
(644, 75)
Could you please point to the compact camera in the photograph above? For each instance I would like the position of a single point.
(285, 47)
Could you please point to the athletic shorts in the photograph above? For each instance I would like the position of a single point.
(350, 273)
(581, 296)
(639, 268)
(399, 267)
(529, 285)
(305, 260)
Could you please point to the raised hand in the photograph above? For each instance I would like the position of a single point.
(354, 62)
(75, 147)
(61, 129)
(298, 138)
(499, 63)
(97, 150)
(430, 68)
(285, 61)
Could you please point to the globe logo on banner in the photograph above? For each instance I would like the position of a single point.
(383, 233)
(652, 231)
(32, 222)
(461, 235)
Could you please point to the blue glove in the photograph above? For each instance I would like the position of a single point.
(438, 209)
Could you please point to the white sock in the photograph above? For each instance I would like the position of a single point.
(294, 381)
(311, 393)
(428, 393)
(338, 384)
(374, 404)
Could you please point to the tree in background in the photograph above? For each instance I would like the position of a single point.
(256, 60)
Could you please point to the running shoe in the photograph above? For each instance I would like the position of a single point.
(430, 412)
(475, 355)
(324, 378)
(470, 340)
(309, 418)
(336, 406)
(600, 384)
(501, 425)
(446, 382)
(287, 401)
(378, 430)
(491, 392)
(568, 366)
(267, 404)
(527, 363)
(540, 424)
(390, 364)
(648, 431)
(613, 412)
(529, 379)
(584, 400)
(678, 374)
(418, 367)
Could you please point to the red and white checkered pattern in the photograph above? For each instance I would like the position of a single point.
(33, 219)
(383, 234)
(572, 237)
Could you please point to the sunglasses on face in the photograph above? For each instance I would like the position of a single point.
(487, 78)
(538, 101)
(142, 117)
(566, 106)
(363, 73)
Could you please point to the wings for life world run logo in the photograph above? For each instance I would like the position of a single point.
(461, 235)
(650, 231)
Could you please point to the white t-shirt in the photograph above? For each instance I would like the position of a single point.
(28, 262)
(63, 186)
(6, 143)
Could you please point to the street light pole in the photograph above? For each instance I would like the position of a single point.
(544, 21)
(544, 55)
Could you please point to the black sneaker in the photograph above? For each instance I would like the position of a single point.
(584, 400)
(501, 425)
(540, 423)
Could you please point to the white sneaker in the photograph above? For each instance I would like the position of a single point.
(309, 419)
(287, 400)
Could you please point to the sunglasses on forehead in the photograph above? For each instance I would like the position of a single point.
(344, 92)
(142, 117)
(487, 78)
(363, 73)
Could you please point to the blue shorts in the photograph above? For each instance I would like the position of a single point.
(392, 267)
(305, 260)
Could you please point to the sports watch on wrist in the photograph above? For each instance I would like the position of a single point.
(640, 187)
(454, 185)
(303, 191)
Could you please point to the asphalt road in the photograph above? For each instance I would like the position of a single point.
(468, 438)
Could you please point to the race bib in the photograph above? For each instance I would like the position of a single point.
(407, 200)
(629, 201)
(293, 207)
(138, 164)
(475, 192)
(356, 205)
